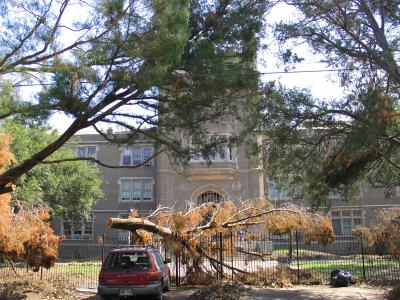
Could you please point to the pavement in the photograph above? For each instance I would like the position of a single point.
(297, 292)
(316, 293)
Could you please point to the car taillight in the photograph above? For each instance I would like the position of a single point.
(154, 277)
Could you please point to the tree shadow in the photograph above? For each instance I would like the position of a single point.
(176, 294)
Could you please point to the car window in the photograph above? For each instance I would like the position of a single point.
(158, 258)
(128, 260)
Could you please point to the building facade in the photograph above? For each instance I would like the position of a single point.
(229, 174)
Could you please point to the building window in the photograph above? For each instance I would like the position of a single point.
(220, 149)
(127, 156)
(147, 152)
(344, 221)
(397, 191)
(136, 189)
(336, 193)
(81, 232)
(137, 155)
(86, 151)
(279, 189)
(209, 196)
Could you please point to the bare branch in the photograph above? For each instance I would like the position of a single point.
(92, 159)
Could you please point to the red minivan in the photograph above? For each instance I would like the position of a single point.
(134, 271)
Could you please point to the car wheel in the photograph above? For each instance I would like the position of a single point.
(167, 286)
(159, 296)
(105, 297)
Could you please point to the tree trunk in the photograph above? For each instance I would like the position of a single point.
(133, 224)
(10, 175)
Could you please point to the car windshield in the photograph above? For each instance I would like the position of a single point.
(128, 260)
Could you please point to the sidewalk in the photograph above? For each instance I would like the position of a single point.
(316, 293)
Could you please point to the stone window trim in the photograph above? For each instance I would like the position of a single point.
(85, 232)
(142, 190)
(134, 160)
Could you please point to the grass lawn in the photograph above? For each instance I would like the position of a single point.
(303, 254)
(373, 269)
(77, 268)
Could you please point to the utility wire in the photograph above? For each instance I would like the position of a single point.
(223, 75)
(272, 73)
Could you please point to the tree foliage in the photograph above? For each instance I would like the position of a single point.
(24, 232)
(343, 143)
(383, 237)
(70, 189)
(146, 66)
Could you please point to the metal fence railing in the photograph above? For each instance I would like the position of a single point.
(237, 256)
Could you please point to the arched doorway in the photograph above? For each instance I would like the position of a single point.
(208, 193)
(209, 196)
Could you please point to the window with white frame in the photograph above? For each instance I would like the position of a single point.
(344, 221)
(220, 148)
(136, 189)
(136, 155)
(86, 151)
(279, 189)
(78, 232)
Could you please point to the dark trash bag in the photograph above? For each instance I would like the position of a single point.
(340, 278)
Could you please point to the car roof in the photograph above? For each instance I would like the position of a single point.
(132, 249)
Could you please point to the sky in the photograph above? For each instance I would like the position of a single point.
(321, 84)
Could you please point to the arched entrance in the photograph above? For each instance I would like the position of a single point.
(209, 196)
(208, 193)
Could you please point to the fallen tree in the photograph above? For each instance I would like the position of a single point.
(185, 231)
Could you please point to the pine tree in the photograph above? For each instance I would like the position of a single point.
(344, 143)
(131, 62)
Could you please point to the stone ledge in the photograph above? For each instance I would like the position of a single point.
(209, 174)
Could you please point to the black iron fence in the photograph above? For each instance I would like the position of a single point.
(242, 256)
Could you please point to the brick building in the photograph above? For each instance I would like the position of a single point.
(231, 175)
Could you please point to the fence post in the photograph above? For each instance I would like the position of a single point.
(179, 269)
(220, 256)
(165, 249)
(176, 265)
(232, 253)
(297, 257)
(102, 248)
(362, 257)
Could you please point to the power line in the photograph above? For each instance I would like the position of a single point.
(272, 73)
(222, 75)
